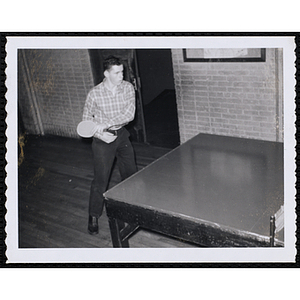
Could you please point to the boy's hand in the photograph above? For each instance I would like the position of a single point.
(107, 137)
(99, 128)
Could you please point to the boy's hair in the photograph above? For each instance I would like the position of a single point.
(111, 61)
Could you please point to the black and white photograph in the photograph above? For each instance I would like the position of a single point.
(150, 149)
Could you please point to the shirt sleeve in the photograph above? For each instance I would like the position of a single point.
(88, 109)
(127, 113)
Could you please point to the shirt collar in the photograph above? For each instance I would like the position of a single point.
(120, 86)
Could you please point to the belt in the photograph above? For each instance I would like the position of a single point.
(114, 131)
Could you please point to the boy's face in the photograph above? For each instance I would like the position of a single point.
(114, 75)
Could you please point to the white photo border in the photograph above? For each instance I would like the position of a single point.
(286, 254)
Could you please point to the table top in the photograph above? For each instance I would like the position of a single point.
(232, 182)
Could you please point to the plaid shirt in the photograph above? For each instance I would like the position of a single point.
(102, 106)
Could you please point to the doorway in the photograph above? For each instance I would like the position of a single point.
(158, 96)
(151, 73)
(128, 59)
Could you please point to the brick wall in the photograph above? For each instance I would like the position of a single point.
(232, 99)
(53, 85)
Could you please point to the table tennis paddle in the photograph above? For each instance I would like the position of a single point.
(86, 128)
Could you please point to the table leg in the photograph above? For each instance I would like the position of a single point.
(115, 231)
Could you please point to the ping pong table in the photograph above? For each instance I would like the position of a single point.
(213, 191)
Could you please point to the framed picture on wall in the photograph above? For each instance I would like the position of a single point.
(224, 55)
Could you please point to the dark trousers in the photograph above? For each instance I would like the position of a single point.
(104, 155)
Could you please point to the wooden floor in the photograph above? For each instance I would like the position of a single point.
(55, 174)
